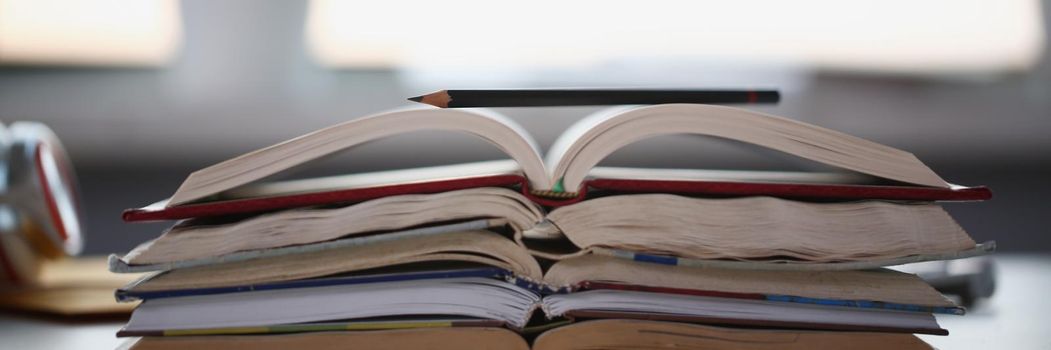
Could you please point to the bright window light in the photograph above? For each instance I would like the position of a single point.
(930, 36)
(89, 32)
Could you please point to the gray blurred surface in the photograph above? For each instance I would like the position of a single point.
(1013, 318)
(244, 81)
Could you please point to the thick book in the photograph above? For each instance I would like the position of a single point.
(568, 173)
(653, 288)
(883, 289)
(759, 230)
(494, 299)
(640, 334)
(597, 334)
(466, 338)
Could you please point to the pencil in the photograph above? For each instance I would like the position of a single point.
(590, 97)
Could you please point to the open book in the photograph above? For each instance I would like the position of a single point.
(492, 299)
(419, 276)
(568, 172)
(598, 334)
(750, 230)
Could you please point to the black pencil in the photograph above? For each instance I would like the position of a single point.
(590, 97)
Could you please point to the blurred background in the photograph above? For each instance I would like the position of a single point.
(144, 92)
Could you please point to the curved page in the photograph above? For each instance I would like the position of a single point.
(593, 138)
(472, 297)
(761, 228)
(884, 286)
(475, 246)
(792, 265)
(498, 130)
(631, 304)
(309, 225)
(117, 264)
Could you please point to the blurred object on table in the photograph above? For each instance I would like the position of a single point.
(971, 279)
(39, 210)
(74, 287)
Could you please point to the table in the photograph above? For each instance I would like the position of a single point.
(1014, 318)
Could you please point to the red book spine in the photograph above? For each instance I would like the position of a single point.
(550, 199)
(253, 205)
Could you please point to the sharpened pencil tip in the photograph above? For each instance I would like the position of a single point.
(438, 99)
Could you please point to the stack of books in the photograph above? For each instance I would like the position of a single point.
(551, 254)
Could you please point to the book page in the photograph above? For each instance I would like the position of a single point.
(373, 179)
(501, 131)
(609, 131)
(562, 150)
